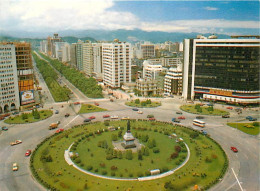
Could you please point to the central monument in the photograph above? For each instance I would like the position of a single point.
(129, 140)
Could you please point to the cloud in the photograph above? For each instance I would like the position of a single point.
(210, 8)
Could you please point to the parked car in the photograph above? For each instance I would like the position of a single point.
(111, 100)
(87, 120)
(181, 117)
(151, 119)
(106, 116)
(249, 117)
(125, 118)
(175, 120)
(114, 117)
(57, 112)
(150, 116)
(92, 117)
(204, 132)
(234, 149)
(58, 122)
(139, 112)
(95, 103)
(67, 115)
(135, 109)
(210, 104)
(16, 142)
(4, 128)
(230, 108)
(225, 116)
(15, 167)
(76, 103)
(179, 112)
(28, 153)
(252, 119)
(59, 130)
(199, 117)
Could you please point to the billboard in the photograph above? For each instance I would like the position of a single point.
(27, 97)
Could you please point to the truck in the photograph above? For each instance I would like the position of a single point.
(53, 126)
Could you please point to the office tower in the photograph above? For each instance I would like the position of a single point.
(65, 52)
(50, 44)
(116, 63)
(148, 50)
(221, 70)
(9, 94)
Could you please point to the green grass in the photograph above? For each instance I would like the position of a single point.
(248, 128)
(44, 114)
(191, 109)
(88, 108)
(61, 176)
(133, 104)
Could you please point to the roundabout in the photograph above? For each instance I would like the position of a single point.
(85, 154)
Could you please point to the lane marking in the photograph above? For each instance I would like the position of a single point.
(71, 121)
(237, 179)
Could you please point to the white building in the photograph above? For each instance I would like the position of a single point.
(87, 58)
(43, 46)
(9, 92)
(116, 63)
(58, 50)
(173, 81)
(97, 59)
(66, 52)
(150, 70)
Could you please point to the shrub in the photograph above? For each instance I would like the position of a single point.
(113, 168)
(177, 148)
(156, 150)
(164, 169)
(103, 165)
(113, 173)
(109, 157)
(77, 160)
(89, 167)
(137, 101)
(140, 174)
(106, 123)
(255, 124)
(104, 172)
(174, 155)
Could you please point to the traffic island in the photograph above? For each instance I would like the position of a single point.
(91, 149)
(144, 103)
(203, 110)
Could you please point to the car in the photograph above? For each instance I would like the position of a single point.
(114, 117)
(111, 100)
(252, 119)
(225, 116)
(135, 109)
(179, 112)
(181, 117)
(249, 117)
(150, 116)
(58, 122)
(67, 115)
(51, 108)
(210, 104)
(59, 130)
(125, 118)
(76, 103)
(96, 103)
(15, 167)
(87, 120)
(139, 112)
(199, 117)
(28, 153)
(15, 113)
(4, 128)
(92, 117)
(57, 112)
(204, 132)
(106, 116)
(16, 142)
(230, 108)
(151, 119)
(62, 106)
(234, 149)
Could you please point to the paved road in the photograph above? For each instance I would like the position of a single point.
(245, 163)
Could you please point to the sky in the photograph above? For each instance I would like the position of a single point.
(225, 17)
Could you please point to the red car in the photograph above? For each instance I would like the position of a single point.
(76, 103)
(96, 103)
(234, 149)
(28, 153)
(59, 130)
(230, 108)
(152, 119)
(92, 117)
(181, 117)
(106, 116)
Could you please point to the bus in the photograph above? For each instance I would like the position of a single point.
(198, 123)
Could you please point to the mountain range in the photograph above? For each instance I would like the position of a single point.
(132, 36)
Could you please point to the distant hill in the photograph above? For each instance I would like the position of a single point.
(72, 39)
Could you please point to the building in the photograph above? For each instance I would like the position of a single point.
(173, 81)
(116, 60)
(43, 46)
(65, 53)
(79, 55)
(97, 59)
(151, 70)
(58, 46)
(73, 56)
(166, 61)
(50, 44)
(9, 94)
(147, 87)
(148, 50)
(87, 58)
(221, 70)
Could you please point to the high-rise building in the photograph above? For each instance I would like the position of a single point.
(50, 44)
(221, 69)
(9, 92)
(73, 56)
(148, 50)
(65, 53)
(150, 70)
(173, 81)
(43, 46)
(79, 55)
(58, 46)
(97, 59)
(87, 58)
(116, 59)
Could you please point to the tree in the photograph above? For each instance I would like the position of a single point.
(197, 106)
(140, 156)
(119, 134)
(36, 114)
(129, 154)
(137, 101)
(177, 148)
(156, 150)
(143, 103)
(148, 101)
(210, 108)
(174, 155)
(146, 152)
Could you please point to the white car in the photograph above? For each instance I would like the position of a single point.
(124, 118)
(139, 112)
(15, 166)
(114, 117)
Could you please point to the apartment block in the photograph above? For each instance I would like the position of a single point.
(148, 50)
(97, 59)
(87, 58)
(9, 94)
(116, 59)
(173, 81)
(150, 70)
(147, 87)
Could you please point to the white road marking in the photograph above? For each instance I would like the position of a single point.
(237, 179)
(71, 121)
